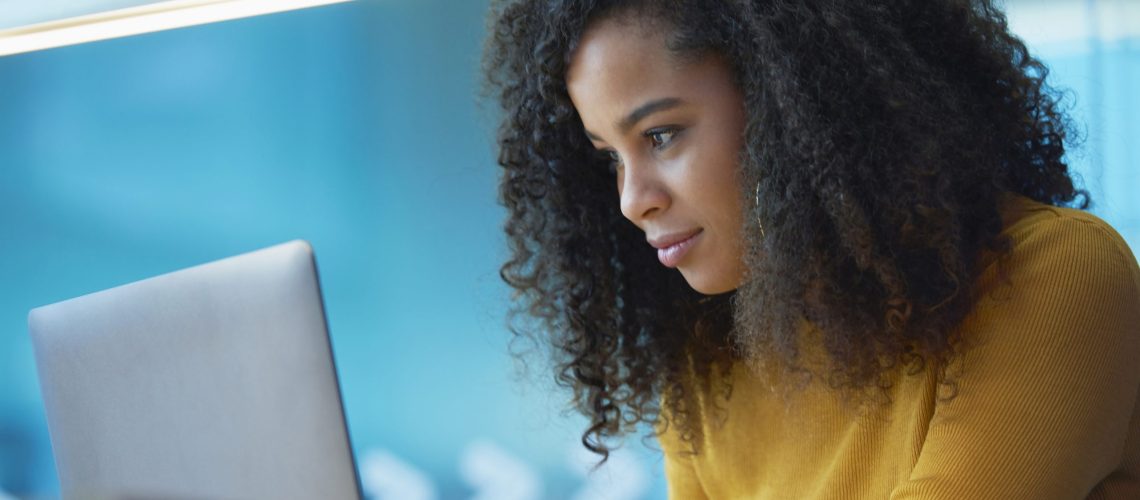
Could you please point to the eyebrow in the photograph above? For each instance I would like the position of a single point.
(641, 112)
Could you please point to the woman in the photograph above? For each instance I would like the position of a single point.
(839, 261)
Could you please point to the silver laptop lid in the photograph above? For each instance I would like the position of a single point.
(212, 382)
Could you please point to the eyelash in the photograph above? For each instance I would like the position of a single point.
(614, 161)
(670, 130)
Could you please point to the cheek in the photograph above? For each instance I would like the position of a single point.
(729, 147)
(716, 180)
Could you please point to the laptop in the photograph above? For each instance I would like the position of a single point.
(216, 381)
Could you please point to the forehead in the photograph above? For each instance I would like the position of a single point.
(613, 44)
(618, 65)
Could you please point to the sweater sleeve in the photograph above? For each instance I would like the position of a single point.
(679, 472)
(1049, 381)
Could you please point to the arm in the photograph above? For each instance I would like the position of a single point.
(679, 472)
(1046, 392)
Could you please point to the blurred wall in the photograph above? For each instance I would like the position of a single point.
(1092, 48)
(354, 126)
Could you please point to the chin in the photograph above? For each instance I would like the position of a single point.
(708, 285)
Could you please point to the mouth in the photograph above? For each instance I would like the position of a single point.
(671, 249)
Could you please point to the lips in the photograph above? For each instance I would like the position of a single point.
(671, 248)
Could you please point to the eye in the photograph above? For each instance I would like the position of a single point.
(662, 136)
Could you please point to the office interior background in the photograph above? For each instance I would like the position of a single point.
(358, 127)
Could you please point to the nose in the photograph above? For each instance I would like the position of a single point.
(642, 190)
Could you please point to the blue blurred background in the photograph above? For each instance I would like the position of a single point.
(357, 127)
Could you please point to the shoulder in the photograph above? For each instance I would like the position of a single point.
(1025, 219)
(1069, 283)
(1044, 395)
(1069, 286)
(1066, 248)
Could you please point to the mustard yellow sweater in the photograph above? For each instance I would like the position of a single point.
(1045, 409)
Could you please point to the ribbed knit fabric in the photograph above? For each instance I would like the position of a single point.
(1045, 407)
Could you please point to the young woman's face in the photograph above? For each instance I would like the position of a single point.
(674, 131)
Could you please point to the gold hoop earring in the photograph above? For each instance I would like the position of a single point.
(758, 221)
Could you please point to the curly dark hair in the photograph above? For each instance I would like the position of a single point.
(881, 136)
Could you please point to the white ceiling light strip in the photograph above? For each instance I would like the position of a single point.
(137, 20)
